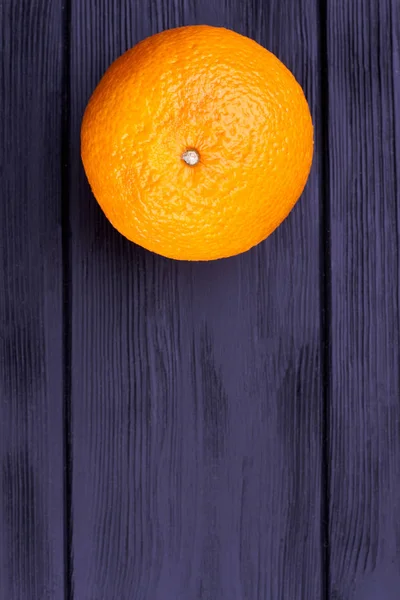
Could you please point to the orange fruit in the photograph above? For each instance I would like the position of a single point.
(197, 143)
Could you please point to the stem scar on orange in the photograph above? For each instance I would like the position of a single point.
(197, 143)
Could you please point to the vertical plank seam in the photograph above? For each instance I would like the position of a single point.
(326, 296)
(66, 296)
(396, 147)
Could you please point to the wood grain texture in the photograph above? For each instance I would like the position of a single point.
(196, 395)
(31, 401)
(365, 393)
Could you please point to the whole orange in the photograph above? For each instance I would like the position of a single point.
(197, 143)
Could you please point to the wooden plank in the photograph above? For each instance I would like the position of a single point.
(196, 395)
(31, 400)
(365, 390)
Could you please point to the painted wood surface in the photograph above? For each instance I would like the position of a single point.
(364, 423)
(196, 395)
(31, 395)
(200, 431)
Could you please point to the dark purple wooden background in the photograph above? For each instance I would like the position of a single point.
(222, 431)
